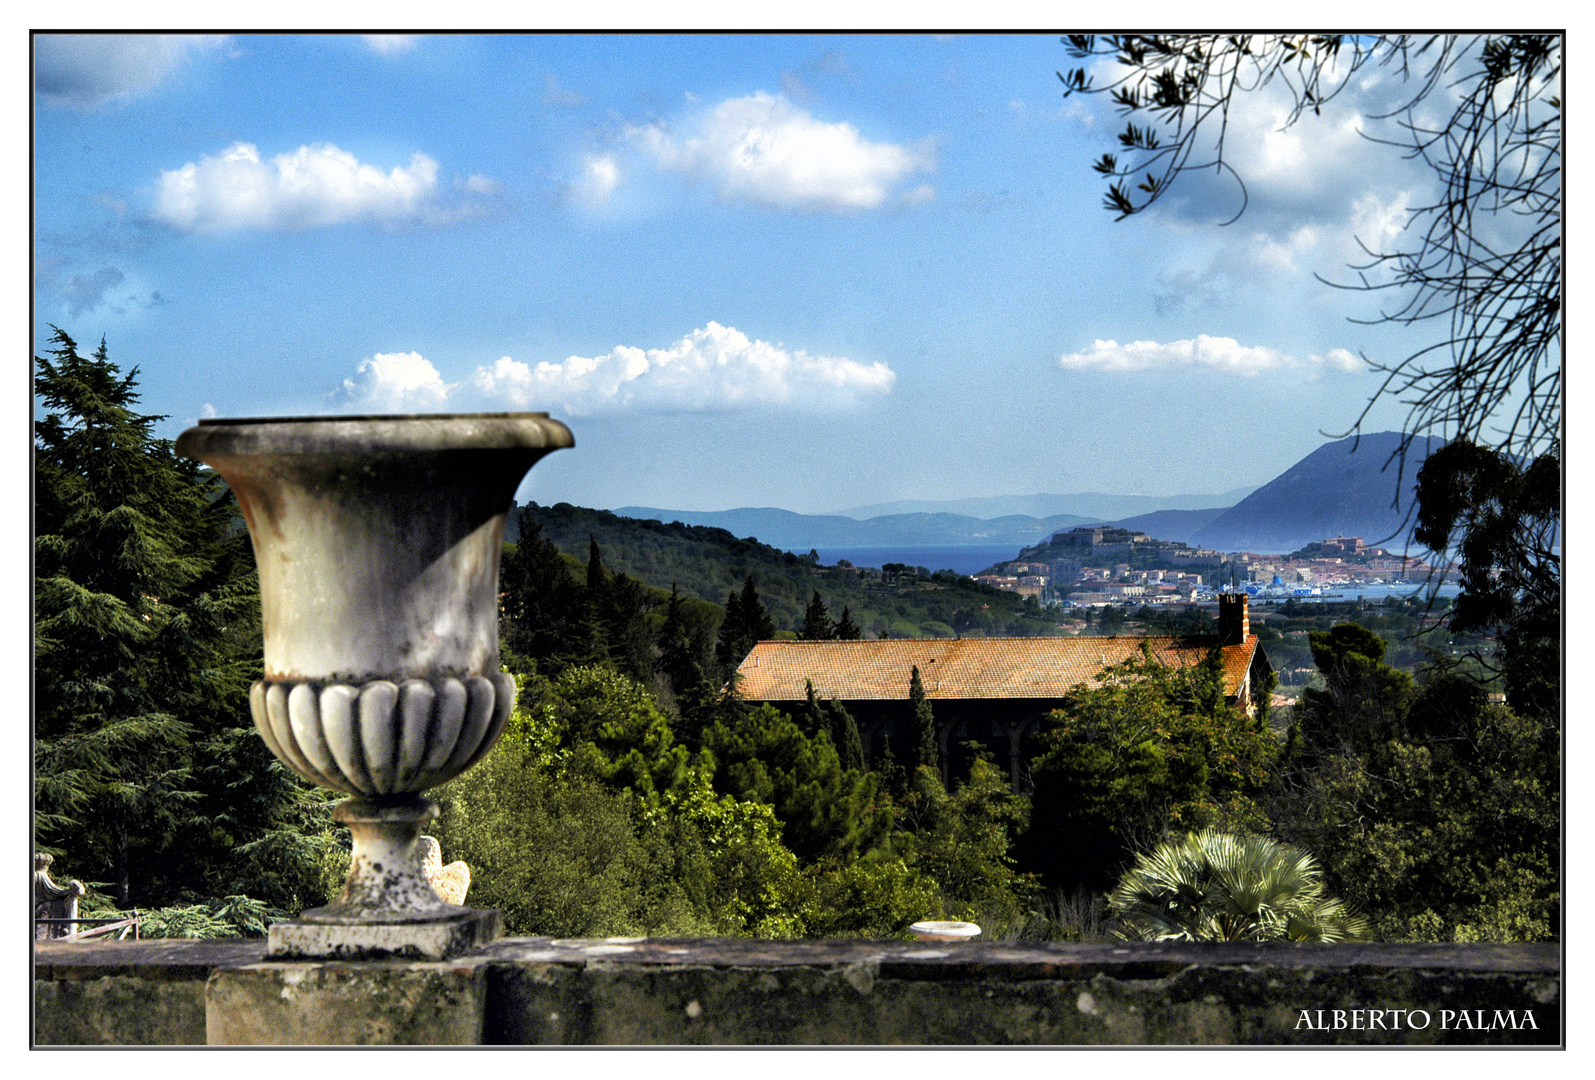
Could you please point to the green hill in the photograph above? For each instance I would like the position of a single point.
(710, 563)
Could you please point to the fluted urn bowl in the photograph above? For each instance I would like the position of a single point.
(377, 540)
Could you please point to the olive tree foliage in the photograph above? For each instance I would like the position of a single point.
(1482, 259)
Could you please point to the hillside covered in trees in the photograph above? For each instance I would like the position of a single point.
(709, 563)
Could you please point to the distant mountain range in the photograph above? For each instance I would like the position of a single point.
(1088, 504)
(800, 532)
(1333, 491)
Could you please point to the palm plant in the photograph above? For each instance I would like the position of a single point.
(1214, 886)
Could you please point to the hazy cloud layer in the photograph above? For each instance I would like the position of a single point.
(395, 382)
(85, 292)
(313, 186)
(555, 94)
(1217, 353)
(1312, 190)
(391, 44)
(89, 69)
(600, 176)
(763, 149)
(716, 368)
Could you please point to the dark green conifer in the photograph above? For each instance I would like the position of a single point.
(147, 775)
(844, 734)
(746, 624)
(817, 621)
(846, 629)
(924, 724)
(810, 718)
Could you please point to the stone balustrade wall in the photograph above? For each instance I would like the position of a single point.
(538, 991)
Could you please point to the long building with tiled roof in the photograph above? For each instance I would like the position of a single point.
(992, 690)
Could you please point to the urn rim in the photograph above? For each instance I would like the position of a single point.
(374, 433)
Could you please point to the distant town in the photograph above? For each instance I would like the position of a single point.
(1096, 566)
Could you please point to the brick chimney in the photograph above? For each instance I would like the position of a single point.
(1233, 622)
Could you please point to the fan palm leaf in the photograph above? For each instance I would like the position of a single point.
(1214, 886)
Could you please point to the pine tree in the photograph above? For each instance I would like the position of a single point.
(817, 621)
(746, 624)
(146, 638)
(543, 612)
(677, 661)
(846, 629)
(924, 724)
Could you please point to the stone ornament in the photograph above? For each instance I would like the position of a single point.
(52, 901)
(377, 540)
(450, 882)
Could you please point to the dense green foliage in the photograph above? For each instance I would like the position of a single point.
(589, 818)
(826, 810)
(149, 780)
(1503, 518)
(1433, 809)
(1146, 750)
(1212, 886)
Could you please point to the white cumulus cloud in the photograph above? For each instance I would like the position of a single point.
(312, 186)
(1216, 353)
(88, 69)
(716, 368)
(763, 149)
(395, 382)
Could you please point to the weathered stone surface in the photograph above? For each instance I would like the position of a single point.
(438, 940)
(632, 991)
(128, 993)
(160, 959)
(346, 1004)
(886, 993)
(119, 1010)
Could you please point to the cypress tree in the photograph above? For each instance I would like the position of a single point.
(844, 734)
(811, 719)
(676, 659)
(846, 629)
(894, 781)
(595, 566)
(924, 723)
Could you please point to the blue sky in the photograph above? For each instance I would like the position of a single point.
(796, 271)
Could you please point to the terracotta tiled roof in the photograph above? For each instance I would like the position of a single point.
(961, 669)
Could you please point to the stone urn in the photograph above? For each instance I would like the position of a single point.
(377, 540)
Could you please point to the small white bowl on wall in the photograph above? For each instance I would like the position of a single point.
(945, 931)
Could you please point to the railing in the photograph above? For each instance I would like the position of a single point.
(102, 927)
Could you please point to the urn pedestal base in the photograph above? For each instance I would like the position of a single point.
(387, 908)
(439, 940)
